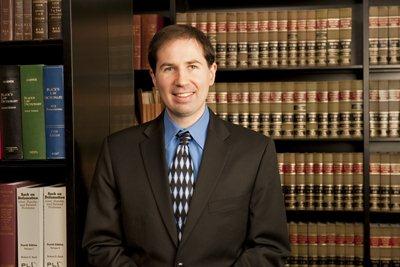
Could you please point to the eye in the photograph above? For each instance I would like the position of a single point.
(167, 69)
(193, 67)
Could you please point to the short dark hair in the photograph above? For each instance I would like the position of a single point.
(176, 32)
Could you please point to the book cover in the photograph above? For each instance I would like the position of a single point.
(201, 22)
(337, 169)
(289, 181)
(242, 39)
(273, 38)
(357, 182)
(309, 181)
(300, 181)
(374, 179)
(233, 95)
(393, 107)
(55, 19)
(6, 20)
(356, 115)
(137, 46)
(344, 108)
(395, 182)
(27, 14)
(244, 104)
(294, 243)
(340, 243)
(300, 109)
(40, 20)
(374, 243)
(333, 31)
(373, 35)
(150, 24)
(54, 111)
(373, 108)
(287, 109)
(322, 114)
(322, 243)
(383, 34)
(311, 26)
(321, 35)
(384, 188)
(312, 110)
(383, 119)
(358, 244)
(302, 37)
(33, 118)
(212, 29)
(292, 37)
(347, 174)
(312, 240)
(265, 108)
(276, 109)
(393, 41)
(254, 106)
(231, 40)
(318, 181)
(333, 109)
(253, 39)
(18, 20)
(221, 39)
(10, 109)
(263, 38)
(282, 16)
(327, 181)
(345, 31)
(222, 100)
(192, 19)
(212, 99)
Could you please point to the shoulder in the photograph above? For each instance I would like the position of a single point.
(129, 136)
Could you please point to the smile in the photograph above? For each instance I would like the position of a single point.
(183, 94)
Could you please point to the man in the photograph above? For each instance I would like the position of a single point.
(187, 189)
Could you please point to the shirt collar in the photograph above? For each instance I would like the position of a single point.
(198, 130)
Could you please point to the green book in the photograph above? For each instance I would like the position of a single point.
(33, 125)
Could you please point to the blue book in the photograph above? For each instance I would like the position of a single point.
(54, 111)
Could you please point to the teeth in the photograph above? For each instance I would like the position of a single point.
(183, 94)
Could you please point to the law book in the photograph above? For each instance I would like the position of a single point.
(6, 20)
(201, 22)
(254, 106)
(338, 181)
(302, 237)
(309, 181)
(312, 240)
(292, 37)
(54, 111)
(276, 109)
(395, 182)
(333, 109)
(30, 225)
(212, 29)
(395, 245)
(312, 110)
(300, 110)
(55, 225)
(384, 188)
(265, 108)
(252, 40)
(242, 40)
(222, 100)
(294, 243)
(327, 181)
(311, 27)
(358, 244)
(302, 37)
(136, 34)
(321, 37)
(347, 174)
(8, 222)
(1, 140)
(273, 45)
(340, 243)
(181, 18)
(333, 32)
(322, 115)
(300, 181)
(231, 40)
(221, 39)
(385, 246)
(383, 119)
(393, 107)
(150, 24)
(27, 19)
(33, 118)
(356, 115)
(263, 38)
(55, 19)
(244, 102)
(393, 32)
(374, 178)
(349, 244)
(287, 109)
(373, 35)
(289, 181)
(331, 244)
(212, 99)
(373, 108)
(357, 198)
(344, 108)
(282, 17)
(383, 34)
(322, 243)
(345, 30)
(374, 243)
(18, 20)
(10, 109)
(40, 20)
(318, 181)
(233, 97)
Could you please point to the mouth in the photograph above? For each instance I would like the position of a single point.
(183, 95)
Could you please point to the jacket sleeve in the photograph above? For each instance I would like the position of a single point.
(103, 238)
(267, 239)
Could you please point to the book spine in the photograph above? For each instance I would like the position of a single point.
(302, 37)
(331, 244)
(309, 181)
(242, 39)
(300, 110)
(27, 19)
(356, 115)
(349, 244)
(300, 181)
(373, 35)
(150, 24)
(383, 97)
(395, 241)
(231, 40)
(345, 29)
(276, 109)
(18, 20)
(33, 118)
(201, 22)
(395, 182)
(233, 102)
(287, 109)
(136, 32)
(212, 29)
(358, 244)
(394, 107)
(244, 104)
(294, 243)
(302, 258)
(333, 109)
(253, 46)
(327, 182)
(357, 182)
(344, 108)
(340, 244)
(263, 38)
(254, 106)
(338, 180)
(385, 246)
(322, 243)
(318, 181)
(373, 108)
(333, 36)
(265, 108)
(221, 39)
(384, 189)
(39, 20)
(6, 20)
(347, 193)
(322, 100)
(192, 19)
(8, 226)
(383, 37)
(312, 240)
(54, 111)
(10, 109)
(374, 177)
(374, 244)
(312, 110)
(222, 100)
(181, 18)
(311, 37)
(55, 19)
(212, 99)
(321, 37)
(393, 42)
(282, 38)
(289, 181)
(292, 38)
(273, 45)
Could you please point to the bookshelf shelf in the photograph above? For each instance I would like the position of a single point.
(385, 146)
(7, 164)
(384, 68)
(384, 217)
(324, 216)
(318, 145)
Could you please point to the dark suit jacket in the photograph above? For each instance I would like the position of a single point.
(236, 216)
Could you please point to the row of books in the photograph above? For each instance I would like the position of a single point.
(143, 29)
(276, 38)
(385, 244)
(150, 104)
(325, 109)
(384, 34)
(32, 122)
(385, 182)
(30, 19)
(33, 228)
(327, 244)
(322, 181)
(384, 108)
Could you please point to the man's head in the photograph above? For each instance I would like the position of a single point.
(182, 69)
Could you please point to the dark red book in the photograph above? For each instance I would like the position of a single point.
(151, 23)
(136, 32)
(6, 20)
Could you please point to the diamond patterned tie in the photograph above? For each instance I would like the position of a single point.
(181, 181)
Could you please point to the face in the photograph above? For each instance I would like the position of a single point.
(183, 78)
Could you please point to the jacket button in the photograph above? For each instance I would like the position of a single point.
(180, 264)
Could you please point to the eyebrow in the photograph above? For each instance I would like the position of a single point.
(171, 64)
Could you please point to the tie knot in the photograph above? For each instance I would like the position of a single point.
(184, 137)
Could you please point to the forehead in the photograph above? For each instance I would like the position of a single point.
(180, 49)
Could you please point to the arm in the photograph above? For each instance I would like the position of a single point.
(103, 237)
(267, 240)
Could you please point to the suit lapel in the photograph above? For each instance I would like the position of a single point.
(152, 150)
(213, 160)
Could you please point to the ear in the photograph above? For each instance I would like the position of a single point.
(213, 70)
(153, 76)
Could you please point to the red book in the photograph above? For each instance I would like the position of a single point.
(136, 31)
(8, 222)
(151, 23)
(6, 20)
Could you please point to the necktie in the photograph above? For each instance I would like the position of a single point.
(181, 181)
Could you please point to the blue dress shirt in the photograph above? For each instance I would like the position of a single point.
(198, 131)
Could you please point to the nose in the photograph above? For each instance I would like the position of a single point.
(182, 77)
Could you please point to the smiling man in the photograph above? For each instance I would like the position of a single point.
(187, 189)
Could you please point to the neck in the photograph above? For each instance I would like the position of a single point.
(186, 121)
